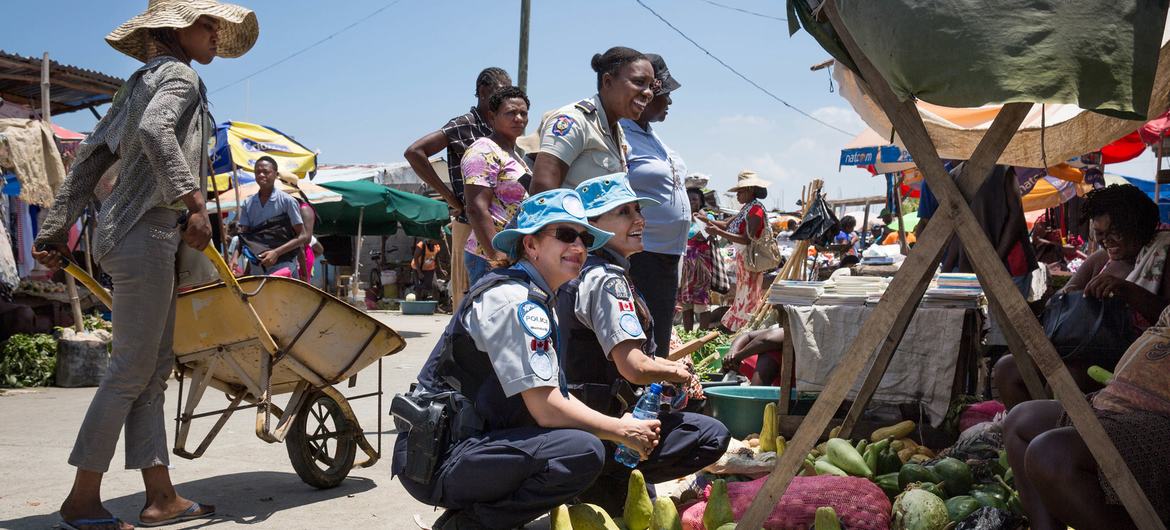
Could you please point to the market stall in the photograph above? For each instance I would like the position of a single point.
(886, 72)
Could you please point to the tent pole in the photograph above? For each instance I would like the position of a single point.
(218, 210)
(236, 186)
(357, 255)
(901, 222)
(46, 117)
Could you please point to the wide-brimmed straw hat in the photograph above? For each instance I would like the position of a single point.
(748, 179)
(238, 28)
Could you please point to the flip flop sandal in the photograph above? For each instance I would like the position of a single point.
(78, 524)
(191, 513)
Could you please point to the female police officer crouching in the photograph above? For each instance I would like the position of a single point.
(609, 344)
(518, 443)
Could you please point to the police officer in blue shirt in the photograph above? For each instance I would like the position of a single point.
(490, 431)
(609, 340)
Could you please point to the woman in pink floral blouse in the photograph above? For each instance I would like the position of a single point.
(492, 173)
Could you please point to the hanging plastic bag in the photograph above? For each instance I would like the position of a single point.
(819, 225)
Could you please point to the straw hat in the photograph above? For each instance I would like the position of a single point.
(238, 27)
(748, 179)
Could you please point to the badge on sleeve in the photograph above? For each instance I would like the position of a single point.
(630, 325)
(541, 361)
(562, 125)
(535, 320)
(618, 288)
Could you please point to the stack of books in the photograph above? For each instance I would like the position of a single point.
(795, 292)
(958, 290)
(853, 290)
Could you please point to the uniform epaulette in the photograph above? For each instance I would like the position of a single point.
(586, 106)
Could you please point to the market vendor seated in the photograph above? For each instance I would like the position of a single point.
(1059, 482)
(1131, 265)
(756, 355)
(609, 346)
(271, 225)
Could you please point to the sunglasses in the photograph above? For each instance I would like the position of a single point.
(568, 235)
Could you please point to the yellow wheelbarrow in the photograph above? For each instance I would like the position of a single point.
(262, 336)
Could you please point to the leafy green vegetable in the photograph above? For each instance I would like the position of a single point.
(28, 360)
(707, 350)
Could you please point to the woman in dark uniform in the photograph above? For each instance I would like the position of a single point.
(518, 443)
(609, 338)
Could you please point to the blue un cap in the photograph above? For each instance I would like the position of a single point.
(545, 208)
(604, 193)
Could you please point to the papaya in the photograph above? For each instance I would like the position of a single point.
(770, 429)
(638, 509)
(958, 508)
(665, 515)
(845, 457)
(897, 430)
(826, 519)
(988, 499)
(888, 461)
(559, 519)
(718, 512)
(889, 484)
(911, 473)
(956, 475)
(781, 445)
(590, 517)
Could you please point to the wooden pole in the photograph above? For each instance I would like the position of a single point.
(236, 186)
(47, 118)
(901, 221)
(525, 19)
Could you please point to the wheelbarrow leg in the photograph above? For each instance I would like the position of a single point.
(223, 418)
(200, 378)
(358, 435)
(291, 410)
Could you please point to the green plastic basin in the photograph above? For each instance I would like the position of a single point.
(741, 408)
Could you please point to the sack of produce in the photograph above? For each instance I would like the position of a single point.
(978, 413)
(858, 502)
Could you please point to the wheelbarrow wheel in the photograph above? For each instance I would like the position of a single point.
(320, 442)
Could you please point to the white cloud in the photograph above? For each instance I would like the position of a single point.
(752, 121)
(840, 117)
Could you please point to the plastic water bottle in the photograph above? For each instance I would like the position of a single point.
(647, 409)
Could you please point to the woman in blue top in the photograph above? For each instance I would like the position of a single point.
(657, 172)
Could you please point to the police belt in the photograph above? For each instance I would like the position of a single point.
(433, 421)
(612, 400)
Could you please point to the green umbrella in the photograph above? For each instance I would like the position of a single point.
(911, 220)
(368, 208)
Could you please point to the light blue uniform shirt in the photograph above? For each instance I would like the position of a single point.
(658, 173)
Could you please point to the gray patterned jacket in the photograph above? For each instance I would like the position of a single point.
(148, 151)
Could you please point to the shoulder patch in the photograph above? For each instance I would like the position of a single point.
(586, 106)
(618, 288)
(562, 125)
(534, 319)
(630, 325)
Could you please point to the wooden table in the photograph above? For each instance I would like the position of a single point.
(967, 378)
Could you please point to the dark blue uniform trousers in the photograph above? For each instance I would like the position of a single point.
(509, 477)
(688, 442)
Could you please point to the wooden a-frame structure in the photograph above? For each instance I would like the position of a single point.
(884, 328)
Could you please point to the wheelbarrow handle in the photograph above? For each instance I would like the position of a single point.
(233, 285)
(88, 281)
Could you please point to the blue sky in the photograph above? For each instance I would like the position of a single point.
(367, 93)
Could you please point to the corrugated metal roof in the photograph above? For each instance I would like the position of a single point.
(72, 88)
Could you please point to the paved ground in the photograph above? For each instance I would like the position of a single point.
(251, 483)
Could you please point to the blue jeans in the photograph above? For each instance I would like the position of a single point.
(476, 265)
